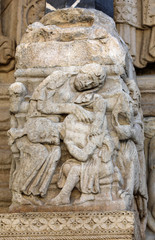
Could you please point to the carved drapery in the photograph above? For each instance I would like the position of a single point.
(66, 105)
(136, 24)
(150, 159)
(15, 15)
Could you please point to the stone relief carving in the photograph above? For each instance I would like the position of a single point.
(149, 151)
(33, 10)
(136, 24)
(70, 225)
(76, 127)
(27, 13)
(15, 15)
(7, 50)
(18, 110)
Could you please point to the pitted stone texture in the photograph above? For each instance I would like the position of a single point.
(76, 124)
(58, 39)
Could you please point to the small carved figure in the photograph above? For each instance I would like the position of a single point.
(89, 144)
(151, 189)
(129, 127)
(18, 110)
(54, 98)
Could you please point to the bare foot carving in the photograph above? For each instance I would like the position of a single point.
(84, 198)
(60, 199)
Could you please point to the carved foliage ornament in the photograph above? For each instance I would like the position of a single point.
(86, 225)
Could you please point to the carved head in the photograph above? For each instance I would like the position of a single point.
(134, 94)
(122, 116)
(91, 76)
(17, 93)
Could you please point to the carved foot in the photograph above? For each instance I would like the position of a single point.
(60, 199)
(84, 198)
(126, 196)
(19, 199)
(35, 201)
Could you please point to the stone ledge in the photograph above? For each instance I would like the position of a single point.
(67, 225)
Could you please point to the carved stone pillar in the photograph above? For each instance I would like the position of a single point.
(76, 130)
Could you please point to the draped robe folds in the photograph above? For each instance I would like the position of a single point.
(135, 22)
(36, 177)
(97, 166)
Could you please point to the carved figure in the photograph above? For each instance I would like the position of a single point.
(151, 186)
(136, 24)
(149, 124)
(83, 125)
(56, 101)
(18, 110)
(46, 130)
(92, 149)
(129, 127)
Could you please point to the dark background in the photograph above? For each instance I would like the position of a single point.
(105, 6)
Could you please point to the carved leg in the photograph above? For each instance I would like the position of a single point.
(72, 179)
(84, 198)
(54, 158)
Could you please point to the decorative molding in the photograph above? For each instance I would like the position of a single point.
(135, 21)
(146, 85)
(148, 12)
(126, 11)
(67, 225)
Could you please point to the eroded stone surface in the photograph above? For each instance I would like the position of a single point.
(76, 123)
(150, 157)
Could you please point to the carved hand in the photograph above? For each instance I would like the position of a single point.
(82, 114)
(95, 130)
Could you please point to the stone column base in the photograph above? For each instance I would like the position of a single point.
(68, 226)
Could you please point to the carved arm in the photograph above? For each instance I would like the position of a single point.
(81, 155)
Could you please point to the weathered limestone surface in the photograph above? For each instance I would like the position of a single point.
(146, 83)
(135, 21)
(77, 134)
(150, 157)
(15, 16)
(137, 30)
